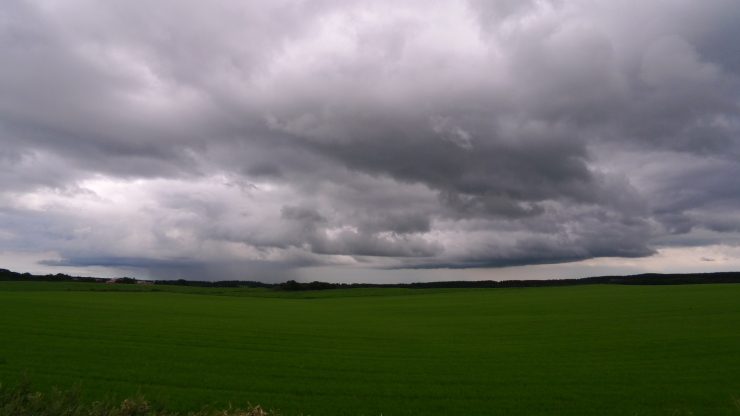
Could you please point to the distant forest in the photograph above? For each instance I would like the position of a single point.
(292, 285)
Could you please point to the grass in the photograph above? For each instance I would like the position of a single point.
(21, 401)
(579, 350)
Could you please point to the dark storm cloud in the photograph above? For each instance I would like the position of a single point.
(181, 135)
(492, 179)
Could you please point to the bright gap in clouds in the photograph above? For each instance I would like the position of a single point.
(384, 141)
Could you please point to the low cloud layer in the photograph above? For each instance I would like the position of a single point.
(246, 140)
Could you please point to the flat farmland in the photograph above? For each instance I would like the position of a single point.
(577, 350)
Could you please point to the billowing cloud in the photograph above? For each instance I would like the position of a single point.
(246, 140)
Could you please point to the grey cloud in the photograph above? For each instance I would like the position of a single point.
(702, 193)
(359, 242)
(717, 43)
(306, 133)
(561, 234)
(722, 222)
(304, 215)
(400, 222)
(263, 169)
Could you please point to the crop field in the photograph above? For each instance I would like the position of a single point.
(576, 350)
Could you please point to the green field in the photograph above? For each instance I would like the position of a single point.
(576, 350)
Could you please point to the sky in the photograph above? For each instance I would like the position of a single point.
(383, 141)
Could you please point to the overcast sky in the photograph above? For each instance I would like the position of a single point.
(369, 141)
